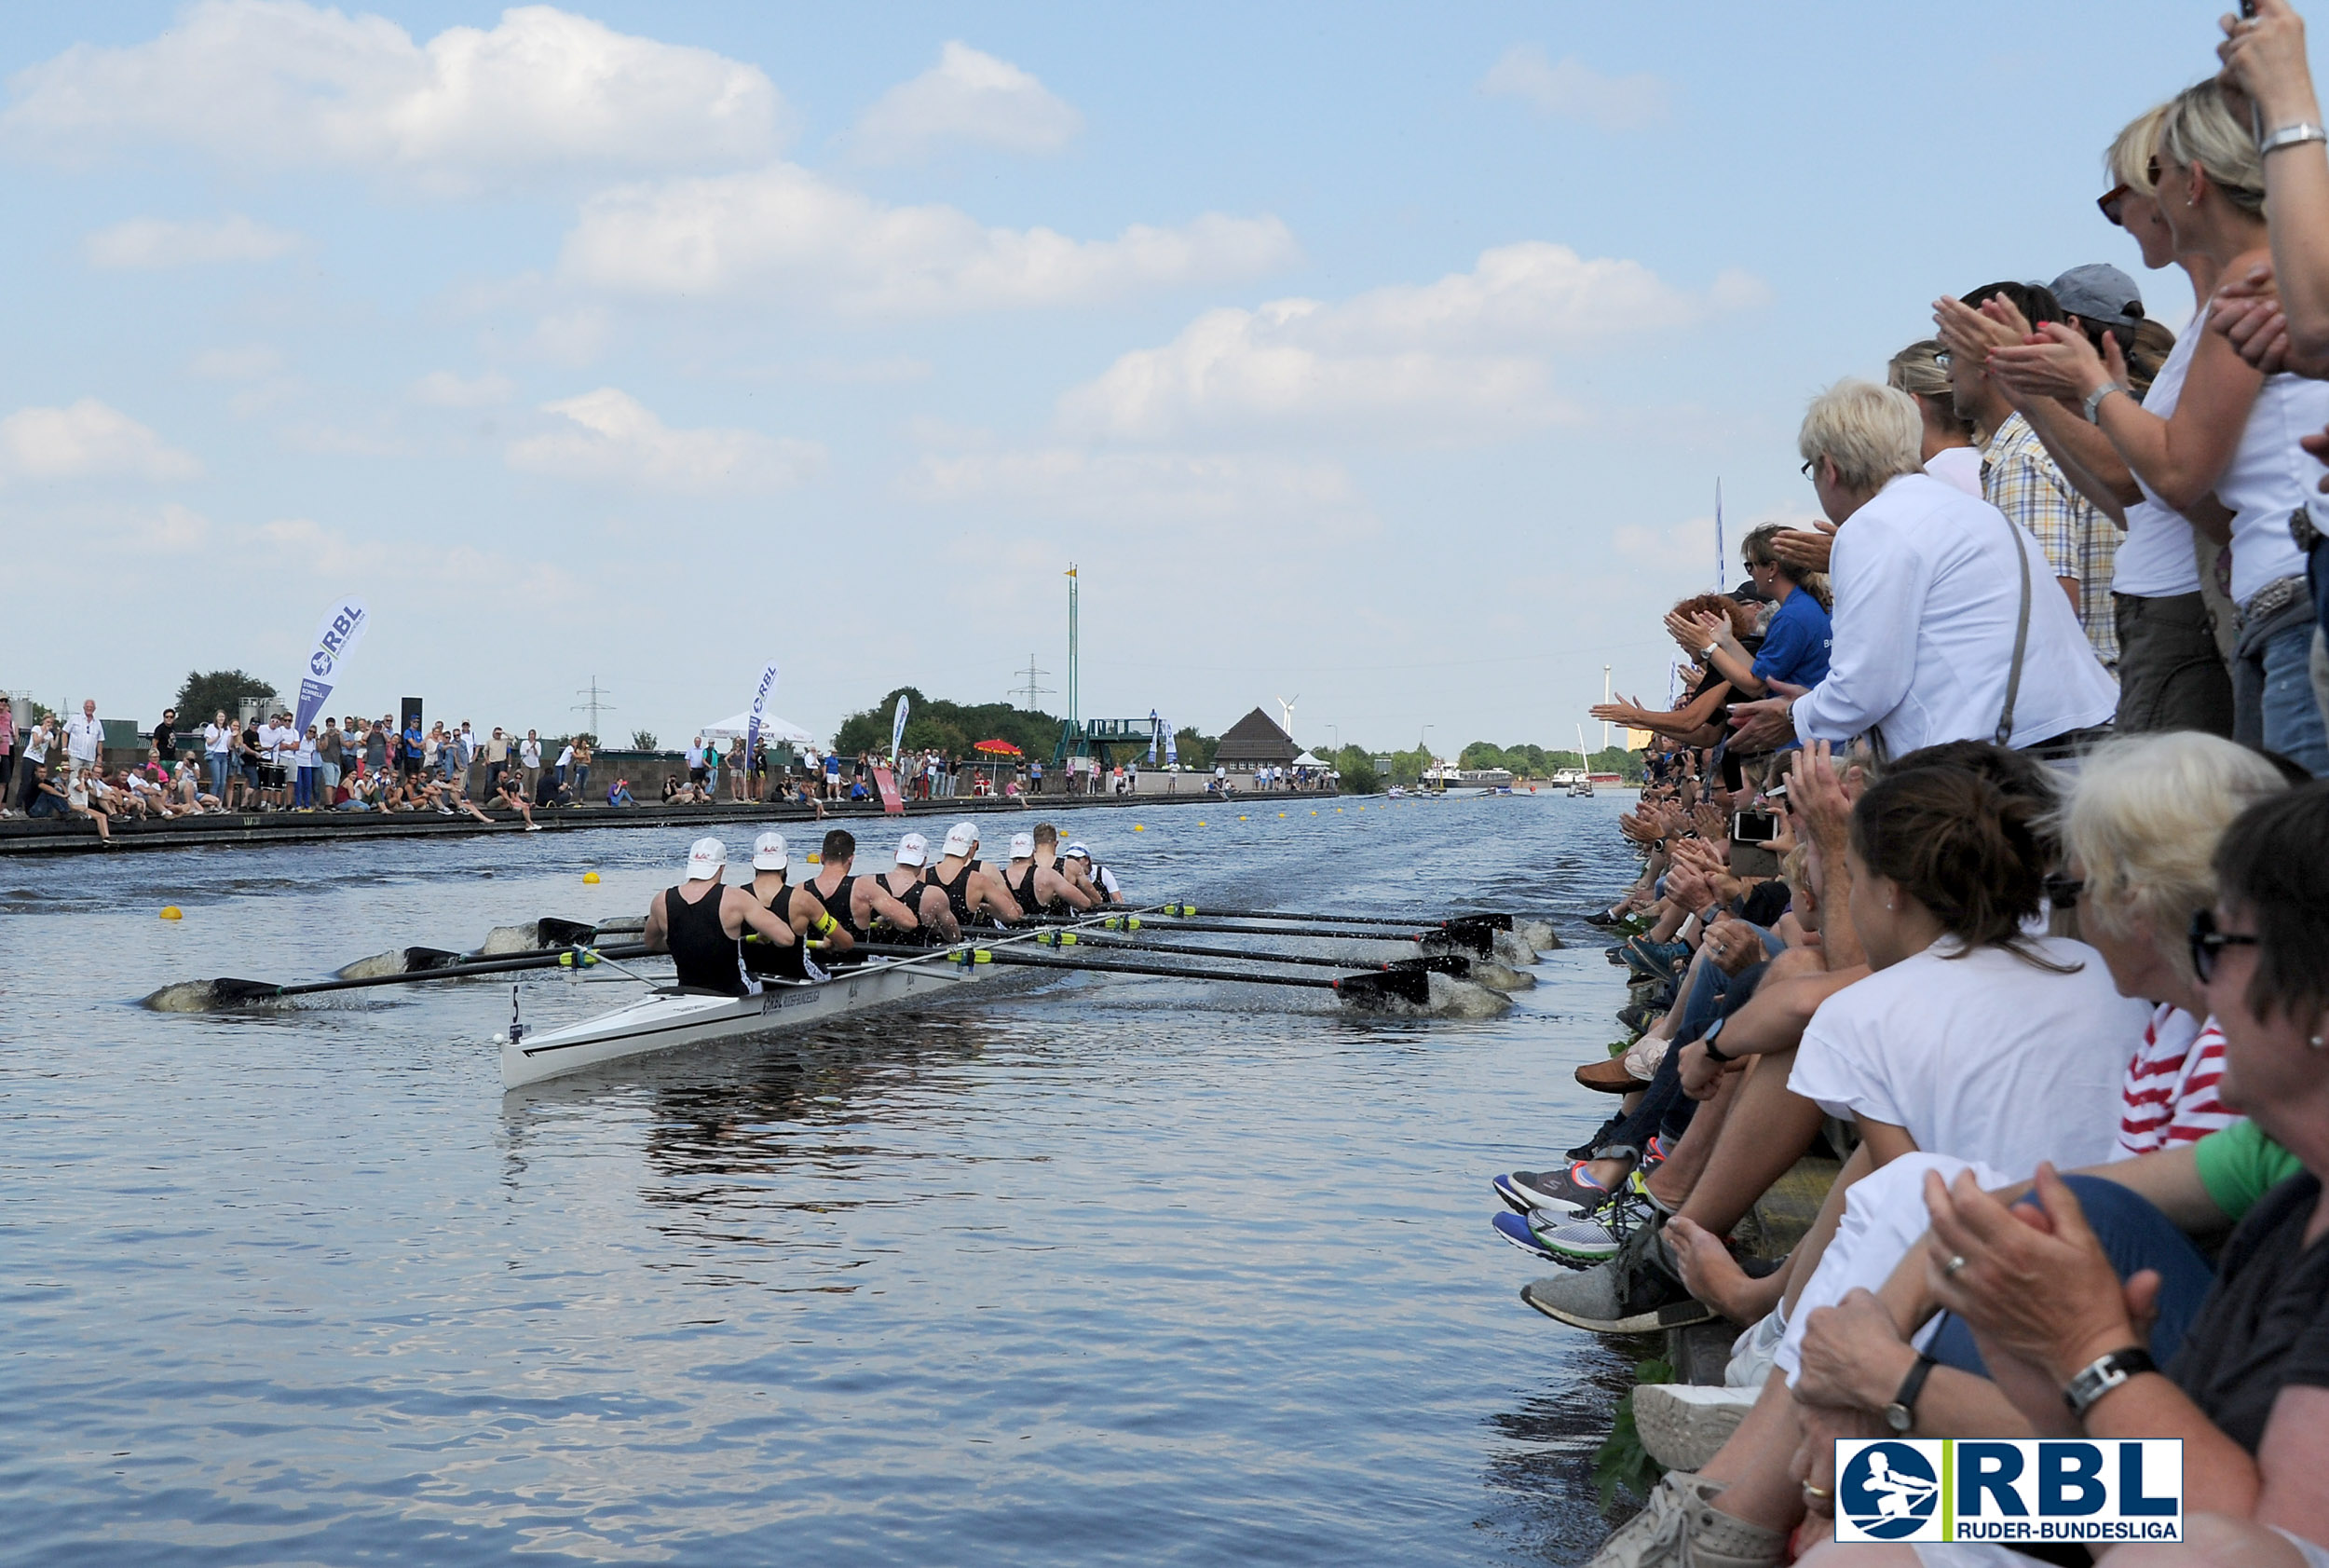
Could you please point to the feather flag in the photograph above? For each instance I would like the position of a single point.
(759, 706)
(343, 627)
(897, 728)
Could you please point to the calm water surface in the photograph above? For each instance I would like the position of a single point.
(1106, 1270)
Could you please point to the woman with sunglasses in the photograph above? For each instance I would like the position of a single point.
(2227, 444)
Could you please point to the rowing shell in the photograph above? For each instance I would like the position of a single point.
(670, 1018)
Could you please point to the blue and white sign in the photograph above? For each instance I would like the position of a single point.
(343, 627)
(2028, 1490)
(759, 708)
(897, 728)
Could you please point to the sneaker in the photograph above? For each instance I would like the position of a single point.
(1567, 1190)
(1683, 1424)
(1514, 1229)
(1681, 1528)
(1639, 1015)
(1653, 959)
(1617, 956)
(445, 811)
(1583, 1238)
(533, 827)
(1637, 1292)
(1601, 916)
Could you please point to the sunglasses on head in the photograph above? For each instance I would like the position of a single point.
(2208, 944)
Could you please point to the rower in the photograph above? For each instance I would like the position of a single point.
(1035, 881)
(907, 883)
(800, 910)
(701, 924)
(968, 884)
(857, 902)
(1096, 880)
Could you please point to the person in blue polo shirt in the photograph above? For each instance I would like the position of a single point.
(1793, 657)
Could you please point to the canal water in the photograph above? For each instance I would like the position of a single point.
(1092, 1271)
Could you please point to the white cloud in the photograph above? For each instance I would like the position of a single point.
(282, 83)
(783, 225)
(609, 435)
(86, 440)
(445, 388)
(967, 96)
(1452, 355)
(153, 242)
(1575, 90)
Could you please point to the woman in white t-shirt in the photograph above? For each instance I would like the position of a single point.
(2230, 445)
(1948, 450)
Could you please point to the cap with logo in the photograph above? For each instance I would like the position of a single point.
(1023, 846)
(2099, 292)
(767, 853)
(1077, 852)
(705, 859)
(962, 839)
(913, 849)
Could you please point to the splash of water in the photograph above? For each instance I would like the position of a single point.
(1511, 949)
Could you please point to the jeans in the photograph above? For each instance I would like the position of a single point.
(2135, 1236)
(305, 794)
(2272, 689)
(581, 779)
(1665, 1110)
(2171, 673)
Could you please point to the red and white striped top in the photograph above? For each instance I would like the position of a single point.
(2169, 1096)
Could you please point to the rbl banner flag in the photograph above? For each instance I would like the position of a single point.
(343, 627)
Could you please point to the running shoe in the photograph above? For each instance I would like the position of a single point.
(1601, 916)
(1582, 1239)
(1515, 1230)
(1653, 959)
(1567, 1190)
(1639, 1015)
(1617, 956)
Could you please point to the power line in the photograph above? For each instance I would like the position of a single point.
(595, 703)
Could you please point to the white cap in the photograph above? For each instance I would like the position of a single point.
(705, 859)
(1077, 852)
(913, 849)
(767, 853)
(1023, 846)
(962, 839)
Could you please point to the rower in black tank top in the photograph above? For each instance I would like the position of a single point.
(706, 956)
(789, 962)
(837, 906)
(1023, 892)
(958, 892)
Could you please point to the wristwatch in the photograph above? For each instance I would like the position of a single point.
(2094, 399)
(1902, 1413)
(2294, 135)
(1708, 651)
(2105, 1374)
(1714, 1051)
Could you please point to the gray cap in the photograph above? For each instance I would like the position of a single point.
(2100, 293)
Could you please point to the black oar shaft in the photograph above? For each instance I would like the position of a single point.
(459, 970)
(1134, 944)
(1176, 972)
(1408, 922)
(1229, 928)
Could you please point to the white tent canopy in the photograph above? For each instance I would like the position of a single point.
(1306, 760)
(771, 728)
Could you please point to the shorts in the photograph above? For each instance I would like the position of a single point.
(409, 766)
(696, 775)
(271, 777)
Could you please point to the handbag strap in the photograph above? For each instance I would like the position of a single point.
(2021, 631)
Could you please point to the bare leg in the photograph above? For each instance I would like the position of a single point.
(1807, 1253)
(1865, 1554)
(1775, 1126)
(1675, 1179)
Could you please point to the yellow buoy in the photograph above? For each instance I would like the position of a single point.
(815, 859)
(1241, 816)
(1201, 821)
(1137, 829)
(1281, 815)
(171, 912)
(589, 875)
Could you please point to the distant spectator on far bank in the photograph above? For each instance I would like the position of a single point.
(84, 736)
(619, 794)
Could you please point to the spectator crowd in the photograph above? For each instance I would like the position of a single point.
(1985, 860)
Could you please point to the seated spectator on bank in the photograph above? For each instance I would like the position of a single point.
(510, 794)
(1938, 617)
(84, 797)
(619, 794)
(2083, 1317)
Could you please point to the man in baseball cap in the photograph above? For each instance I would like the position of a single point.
(970, 886)
(934, 920)
(2101, 298)
(1097, 879)
(701, 924)
(799, 907)
(1037, 886)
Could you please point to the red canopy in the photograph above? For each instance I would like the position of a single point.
(1000, 748)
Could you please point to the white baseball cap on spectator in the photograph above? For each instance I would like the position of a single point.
(913, 849)
(962, 839)
(767, 853)
(706, 859)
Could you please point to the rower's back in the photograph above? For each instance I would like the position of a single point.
(706, 956)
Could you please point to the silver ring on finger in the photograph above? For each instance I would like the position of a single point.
(1956, 1262)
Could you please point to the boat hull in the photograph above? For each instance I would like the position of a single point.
(667, 1021)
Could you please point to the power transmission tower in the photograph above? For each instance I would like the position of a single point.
(1030, 690)
(595, 703)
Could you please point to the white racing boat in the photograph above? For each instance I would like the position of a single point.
(668, 1016)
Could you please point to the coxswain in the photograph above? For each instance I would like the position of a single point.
(1096, 879)
(799, 908)
(858, 901)
(970, 885)
(701, 924)
(908, 882)
(1034, 880)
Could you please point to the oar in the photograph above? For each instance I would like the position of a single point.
(1405, 982)
(1446, 964)
(196, 996)
(1478, 939)
(1494, 922)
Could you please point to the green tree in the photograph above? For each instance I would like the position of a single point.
(643, 739)
(1196, 750)
(1359, 771)
(208, 692)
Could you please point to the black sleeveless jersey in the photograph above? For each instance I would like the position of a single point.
(706, 956)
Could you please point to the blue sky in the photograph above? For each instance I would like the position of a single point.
(1381, 357)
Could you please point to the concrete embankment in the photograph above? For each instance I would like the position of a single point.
(20, 835)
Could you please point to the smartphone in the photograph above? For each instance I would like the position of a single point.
(2248, 9)
(1754, 828)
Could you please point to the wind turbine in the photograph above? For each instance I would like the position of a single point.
(1286, 706)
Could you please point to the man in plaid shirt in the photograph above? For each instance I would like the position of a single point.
(2021, 478)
